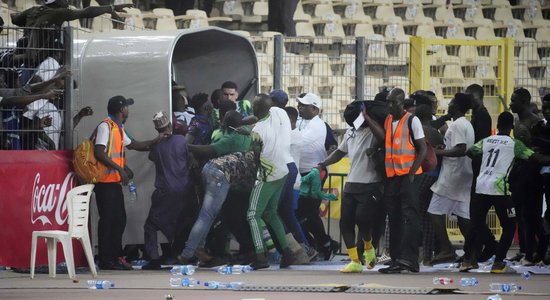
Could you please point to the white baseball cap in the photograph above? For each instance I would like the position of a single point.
(310, 99)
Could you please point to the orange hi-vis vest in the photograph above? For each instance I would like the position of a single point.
(400, 152)
(115, 150)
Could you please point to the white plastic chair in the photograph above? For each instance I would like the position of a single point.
(78, 202)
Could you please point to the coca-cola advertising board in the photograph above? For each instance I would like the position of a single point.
(33, 190)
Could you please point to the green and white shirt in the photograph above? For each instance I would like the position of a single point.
(499, 152)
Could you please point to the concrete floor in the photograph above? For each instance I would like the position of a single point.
(139, 284)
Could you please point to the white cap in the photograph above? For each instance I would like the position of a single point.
(310, 99)
(49, 1)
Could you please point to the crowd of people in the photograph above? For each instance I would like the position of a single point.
(254, 170)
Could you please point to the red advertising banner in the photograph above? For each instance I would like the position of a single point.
(33, 189)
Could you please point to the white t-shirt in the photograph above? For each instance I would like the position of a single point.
(455, 177)
(102, 137)
(42, 108)
(314, 133)
(285, 135)
(47, 69)
(275, 140)
(416, 125)
(186, 115)
(355, 144)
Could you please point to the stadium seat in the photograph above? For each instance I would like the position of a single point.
(233, 9)
(165, 19)
(102, 23)
(300, 15)
(78, 205)
(133, 19)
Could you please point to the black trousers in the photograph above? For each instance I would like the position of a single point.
(403, 206)
(234, 217)
(504, 207)
(308, 215)
(281, 16)
(112, 220)
(359, 209)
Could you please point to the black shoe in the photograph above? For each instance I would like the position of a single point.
(114, 265)
(517, 257)
(213, 262)
(397, 269)
(182, 260)
(260, 262)
(153, 264)
(488, 252)
(331, 250)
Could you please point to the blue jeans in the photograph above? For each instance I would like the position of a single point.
(216, 186)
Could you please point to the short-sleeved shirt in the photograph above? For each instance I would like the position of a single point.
(170, 158)
(43, 108)
(355, 145)
(201, 128)
(499, 152)
(231, 142)
(240, 169)
(455, 178)
(275, 138)
(102, 136)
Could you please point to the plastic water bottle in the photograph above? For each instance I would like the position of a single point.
(183, 270)
(504, 287)
(133, 191)
(234, 269)
(442, 280)
(222, 285)
(494, 297)
(139, 262)
(526, 275)
(184, 282)
(100, 284)
(468, 281)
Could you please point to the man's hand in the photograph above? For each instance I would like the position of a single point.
(411, 176)
(59, 78)
(53, 94)
(45, 122)
(124, 176)
(121, 7)
(86, 111)
(129, 172)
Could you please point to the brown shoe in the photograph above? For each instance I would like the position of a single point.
(202, 255)
(260, 262)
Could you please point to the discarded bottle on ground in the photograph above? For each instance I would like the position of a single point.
(234, 269)
(468, 281)
(184, 282)
(100, 284)
(504, 287)
(526, 275)
(223, 285)
(133, 190)
(494, 297)
(183, 270)
(442, 280)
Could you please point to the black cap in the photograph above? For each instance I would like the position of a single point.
(116, 103)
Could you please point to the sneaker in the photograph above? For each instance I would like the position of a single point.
(525, 262)
(312, 253)
(370, 258)
(499, 267)
(352, 267)
(517, 257)
(384, 259)
(444, 257)
(331, 250)
(260, 262)
(466, 266)
(397, 269)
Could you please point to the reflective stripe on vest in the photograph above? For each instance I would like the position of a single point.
(400, 152)
(115, 151)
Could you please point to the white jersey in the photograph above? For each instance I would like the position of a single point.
(499, 152)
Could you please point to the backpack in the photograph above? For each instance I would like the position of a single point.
(430, 161)
(86, 166)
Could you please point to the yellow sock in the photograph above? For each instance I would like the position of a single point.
(352, 253)
(368, 244)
